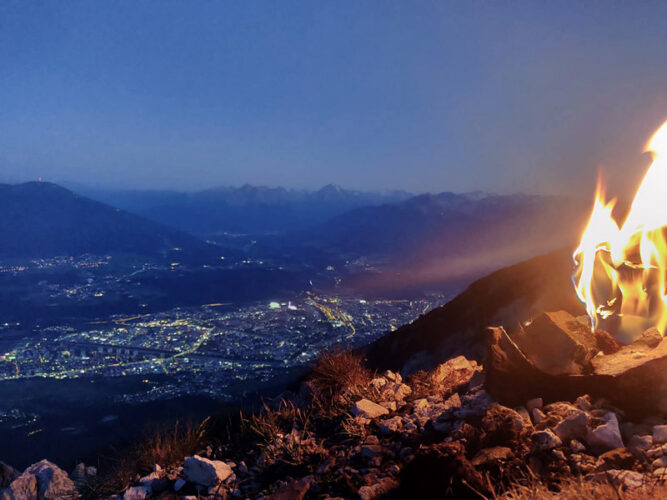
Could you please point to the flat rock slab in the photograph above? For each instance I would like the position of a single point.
(634, 378)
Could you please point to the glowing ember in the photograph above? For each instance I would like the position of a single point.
(621, 270)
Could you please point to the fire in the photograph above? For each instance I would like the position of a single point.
(621, 269)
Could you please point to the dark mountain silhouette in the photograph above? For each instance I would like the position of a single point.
(432, 239)
(506, 297)
(246, 209)
(41, 219)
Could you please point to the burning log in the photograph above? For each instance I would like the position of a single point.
(519, 367)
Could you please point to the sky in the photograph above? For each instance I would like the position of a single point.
(533, 97)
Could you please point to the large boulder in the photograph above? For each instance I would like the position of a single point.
(42, 480)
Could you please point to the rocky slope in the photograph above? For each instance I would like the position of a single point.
(351, 434)
(507, 297)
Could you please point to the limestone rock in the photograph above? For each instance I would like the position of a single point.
(573, 427)
(205, 472)
(606, 436)
(545, 439)
(42, 480)
(367, 409)
(660, 434)
(454, 373)
(391, 425)
(639, 444)
(137, 493)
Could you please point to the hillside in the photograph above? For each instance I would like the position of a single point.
(41, 219)
(506, 297)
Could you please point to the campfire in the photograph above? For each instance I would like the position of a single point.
(617, 351)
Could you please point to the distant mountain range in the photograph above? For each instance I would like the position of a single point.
(40, 219)
(246, 209)
(433, 238)
(413, 242)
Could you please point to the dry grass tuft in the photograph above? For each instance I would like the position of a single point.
(164, 446)
(283, 433)
(578, 489)
(337, 379)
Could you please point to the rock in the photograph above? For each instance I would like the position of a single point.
(205, 472)
(606, 343)
(391, 425)
(454, 374)
(639, 444)
(503, 425)
(137, 493)
(393, 376)
(156, 482)
(378, 383)
(659, 462)
(524, 414)
(660, 473)
(557, 344)
(82, 475)
(367, 409)
(378, 490)
(42, 480)
(620, 458)
(573, 427)
(534, 403)
(545, 440)
(371, 451)
(389, 405)
(627, 373)
(584, 403)
(23, 488)
(660, 434)
(606, 436)
(179, 483)
(626, 479)
(651, 338)
(402, 391)
(491, 456)
(656, 452)
(474, 404)
(577, 446)
(7, 475)
(538, 415)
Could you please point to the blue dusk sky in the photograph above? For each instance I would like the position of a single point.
(424, 96)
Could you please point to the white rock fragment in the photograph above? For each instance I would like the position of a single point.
(606, 436)
(391, 425)
(573, 427)
(137, 493)
(538, 415)
(367, 409)
(205, 472)
(546, 439)
(42, 480)
(639, 444)
(534, 403)
(660, 434)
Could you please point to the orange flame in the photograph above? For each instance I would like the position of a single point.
(621, 270)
